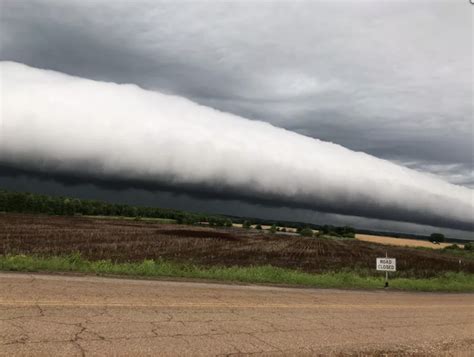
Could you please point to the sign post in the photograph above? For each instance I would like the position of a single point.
(386, 264)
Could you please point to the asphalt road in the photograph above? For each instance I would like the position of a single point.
(43, 315)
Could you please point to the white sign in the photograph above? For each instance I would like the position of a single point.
(387, 264)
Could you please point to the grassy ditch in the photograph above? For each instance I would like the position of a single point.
(452, 282)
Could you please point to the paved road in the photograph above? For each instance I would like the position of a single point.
(74, 316)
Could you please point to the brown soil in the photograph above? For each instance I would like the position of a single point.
(122, 240)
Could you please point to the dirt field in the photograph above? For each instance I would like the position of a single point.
(122, 240)
(402, 242)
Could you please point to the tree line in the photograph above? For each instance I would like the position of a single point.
(25, 202)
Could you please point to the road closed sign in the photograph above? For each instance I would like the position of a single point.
(387, 264)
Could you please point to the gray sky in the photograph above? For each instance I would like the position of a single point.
(392, 79)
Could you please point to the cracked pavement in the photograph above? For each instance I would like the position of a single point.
(57, 315)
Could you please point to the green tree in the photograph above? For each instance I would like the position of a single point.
(437, 237)
(228, 223)
(246, 224)
(345, 231)
(453, 247)
(306, 232)
(258, 226)
(273, 228)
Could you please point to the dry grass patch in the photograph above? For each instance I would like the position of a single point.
(402, 242)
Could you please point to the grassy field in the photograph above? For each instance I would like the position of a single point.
(454, 282)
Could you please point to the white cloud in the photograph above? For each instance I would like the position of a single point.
(59, 123)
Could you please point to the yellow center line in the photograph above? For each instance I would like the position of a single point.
(27, 303)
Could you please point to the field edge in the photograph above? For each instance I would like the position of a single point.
(260, 275)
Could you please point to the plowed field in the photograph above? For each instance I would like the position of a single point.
(125, 240)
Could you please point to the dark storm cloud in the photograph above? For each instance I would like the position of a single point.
(228, 195)
(391, 79)
(19, 180)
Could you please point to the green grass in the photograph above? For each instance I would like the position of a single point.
(143, 219)
(257, 274)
